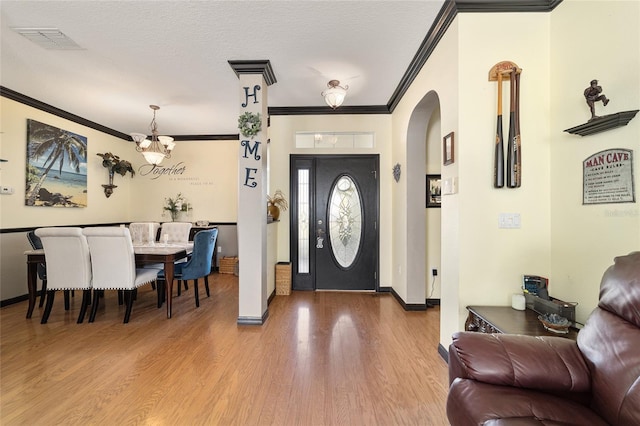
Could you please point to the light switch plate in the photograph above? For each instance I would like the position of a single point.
(509, 221)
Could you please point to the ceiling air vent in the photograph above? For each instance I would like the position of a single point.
(49, 38)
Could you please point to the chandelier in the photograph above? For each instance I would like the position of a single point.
(158, 147)
(334, 95)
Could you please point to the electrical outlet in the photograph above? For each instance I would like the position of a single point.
(219, 249)
(434, 272)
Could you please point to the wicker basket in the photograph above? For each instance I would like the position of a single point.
(283, 279)
(228, 265)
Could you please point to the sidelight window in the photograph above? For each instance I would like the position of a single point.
(303, 221)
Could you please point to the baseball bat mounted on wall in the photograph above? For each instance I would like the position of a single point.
(498, 161)
(518, 162)
(513, 164)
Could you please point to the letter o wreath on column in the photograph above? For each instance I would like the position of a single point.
(249, 124)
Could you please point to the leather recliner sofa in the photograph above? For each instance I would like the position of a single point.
(501, 379)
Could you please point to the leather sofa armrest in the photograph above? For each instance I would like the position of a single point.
(543, 363)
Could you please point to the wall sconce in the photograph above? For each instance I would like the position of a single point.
(335, 94)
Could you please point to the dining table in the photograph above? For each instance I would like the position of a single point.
(148, 253)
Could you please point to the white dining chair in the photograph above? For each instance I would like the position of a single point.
(140, 232)
(176, 232)
(68, 262)
(114, 266)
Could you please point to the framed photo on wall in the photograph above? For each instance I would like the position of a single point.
(447, 149)
(434, 191)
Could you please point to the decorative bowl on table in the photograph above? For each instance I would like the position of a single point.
(555, 323)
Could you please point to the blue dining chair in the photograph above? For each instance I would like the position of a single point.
(199, 265)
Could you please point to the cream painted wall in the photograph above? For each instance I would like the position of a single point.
(493, 260)
(482, 264)
(210, 185)
(433, 215)
(437, 76)
(586, 238)
(13, 144)
(205, 172)
(282, 134)
(14, 213)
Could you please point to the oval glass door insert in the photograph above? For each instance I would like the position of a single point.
(345, 221)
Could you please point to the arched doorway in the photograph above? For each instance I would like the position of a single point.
(423, 242)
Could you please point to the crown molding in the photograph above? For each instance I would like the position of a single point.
(262, 66)
(445, 17)
(506, 5)
(326, 110)
(34, 103)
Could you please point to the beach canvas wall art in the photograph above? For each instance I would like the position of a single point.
(56, 167)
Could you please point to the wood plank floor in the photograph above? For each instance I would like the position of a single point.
(321, 358)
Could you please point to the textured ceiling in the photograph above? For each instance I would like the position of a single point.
(174, 54)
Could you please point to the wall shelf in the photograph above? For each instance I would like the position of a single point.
(600, 124)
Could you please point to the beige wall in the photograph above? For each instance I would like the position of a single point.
(439, 82)
(205, 172)
(433, 215)
(208, 181)
(493, 260)
(100, 209)
(586, 238)
(559, 238)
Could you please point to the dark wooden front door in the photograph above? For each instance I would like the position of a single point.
(334, 231)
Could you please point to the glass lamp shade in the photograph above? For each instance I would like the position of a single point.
(153, 157)
(138, 137)
(165, 140)
(334, 96)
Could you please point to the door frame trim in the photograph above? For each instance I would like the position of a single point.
(293, 216)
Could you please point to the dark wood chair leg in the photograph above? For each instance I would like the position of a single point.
(157, 286)
(66, 300)
(195, 290)
(43, 292)
(120, 297)
(94, 308)
(51, 294)
(206, 284)
(179, 286)
(128, 297)
(86, 297)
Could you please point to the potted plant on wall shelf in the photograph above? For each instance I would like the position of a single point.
(276, 203)
(114, 164)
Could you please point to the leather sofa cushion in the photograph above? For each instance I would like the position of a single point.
(544, 363)
(475, 403)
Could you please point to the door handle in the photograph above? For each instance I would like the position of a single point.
(319, 237)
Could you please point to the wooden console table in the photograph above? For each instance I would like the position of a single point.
(505, 319)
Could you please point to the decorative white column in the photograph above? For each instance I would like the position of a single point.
(254, 77)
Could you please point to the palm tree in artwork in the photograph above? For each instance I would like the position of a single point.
(59, 146)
